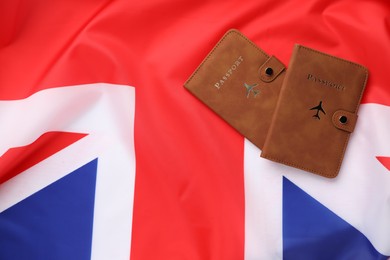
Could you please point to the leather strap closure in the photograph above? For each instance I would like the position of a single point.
(344, 120)
(271, 69)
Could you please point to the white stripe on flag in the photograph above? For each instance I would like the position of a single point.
(360, 194)
(106, 113)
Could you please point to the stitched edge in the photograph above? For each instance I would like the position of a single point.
(237, 33)
(300, 167)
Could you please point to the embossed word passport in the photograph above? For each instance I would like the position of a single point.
(241, 83)
(316, 112)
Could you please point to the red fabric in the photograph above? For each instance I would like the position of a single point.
(385, 161)
(189, 193)
(16, 160)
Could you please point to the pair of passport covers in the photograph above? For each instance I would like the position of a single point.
(301, 116)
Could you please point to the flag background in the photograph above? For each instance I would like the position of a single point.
(191, 186)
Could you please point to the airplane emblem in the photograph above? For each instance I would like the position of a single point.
(250, 88)
(319, 109)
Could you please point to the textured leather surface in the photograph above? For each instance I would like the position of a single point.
(231, 81)
(276, 67)
(350, 120)
(306, 130)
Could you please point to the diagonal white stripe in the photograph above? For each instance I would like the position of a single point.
(106, 113)
(360, 194)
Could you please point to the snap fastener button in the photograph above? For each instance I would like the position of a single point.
(269, 71)
(343, 119)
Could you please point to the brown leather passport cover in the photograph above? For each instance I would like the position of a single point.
(316, 112)
(240, 83)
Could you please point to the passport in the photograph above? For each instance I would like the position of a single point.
(316, 112)
(241, 83)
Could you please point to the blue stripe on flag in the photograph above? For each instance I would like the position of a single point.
(312, 231)
(55, 222)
